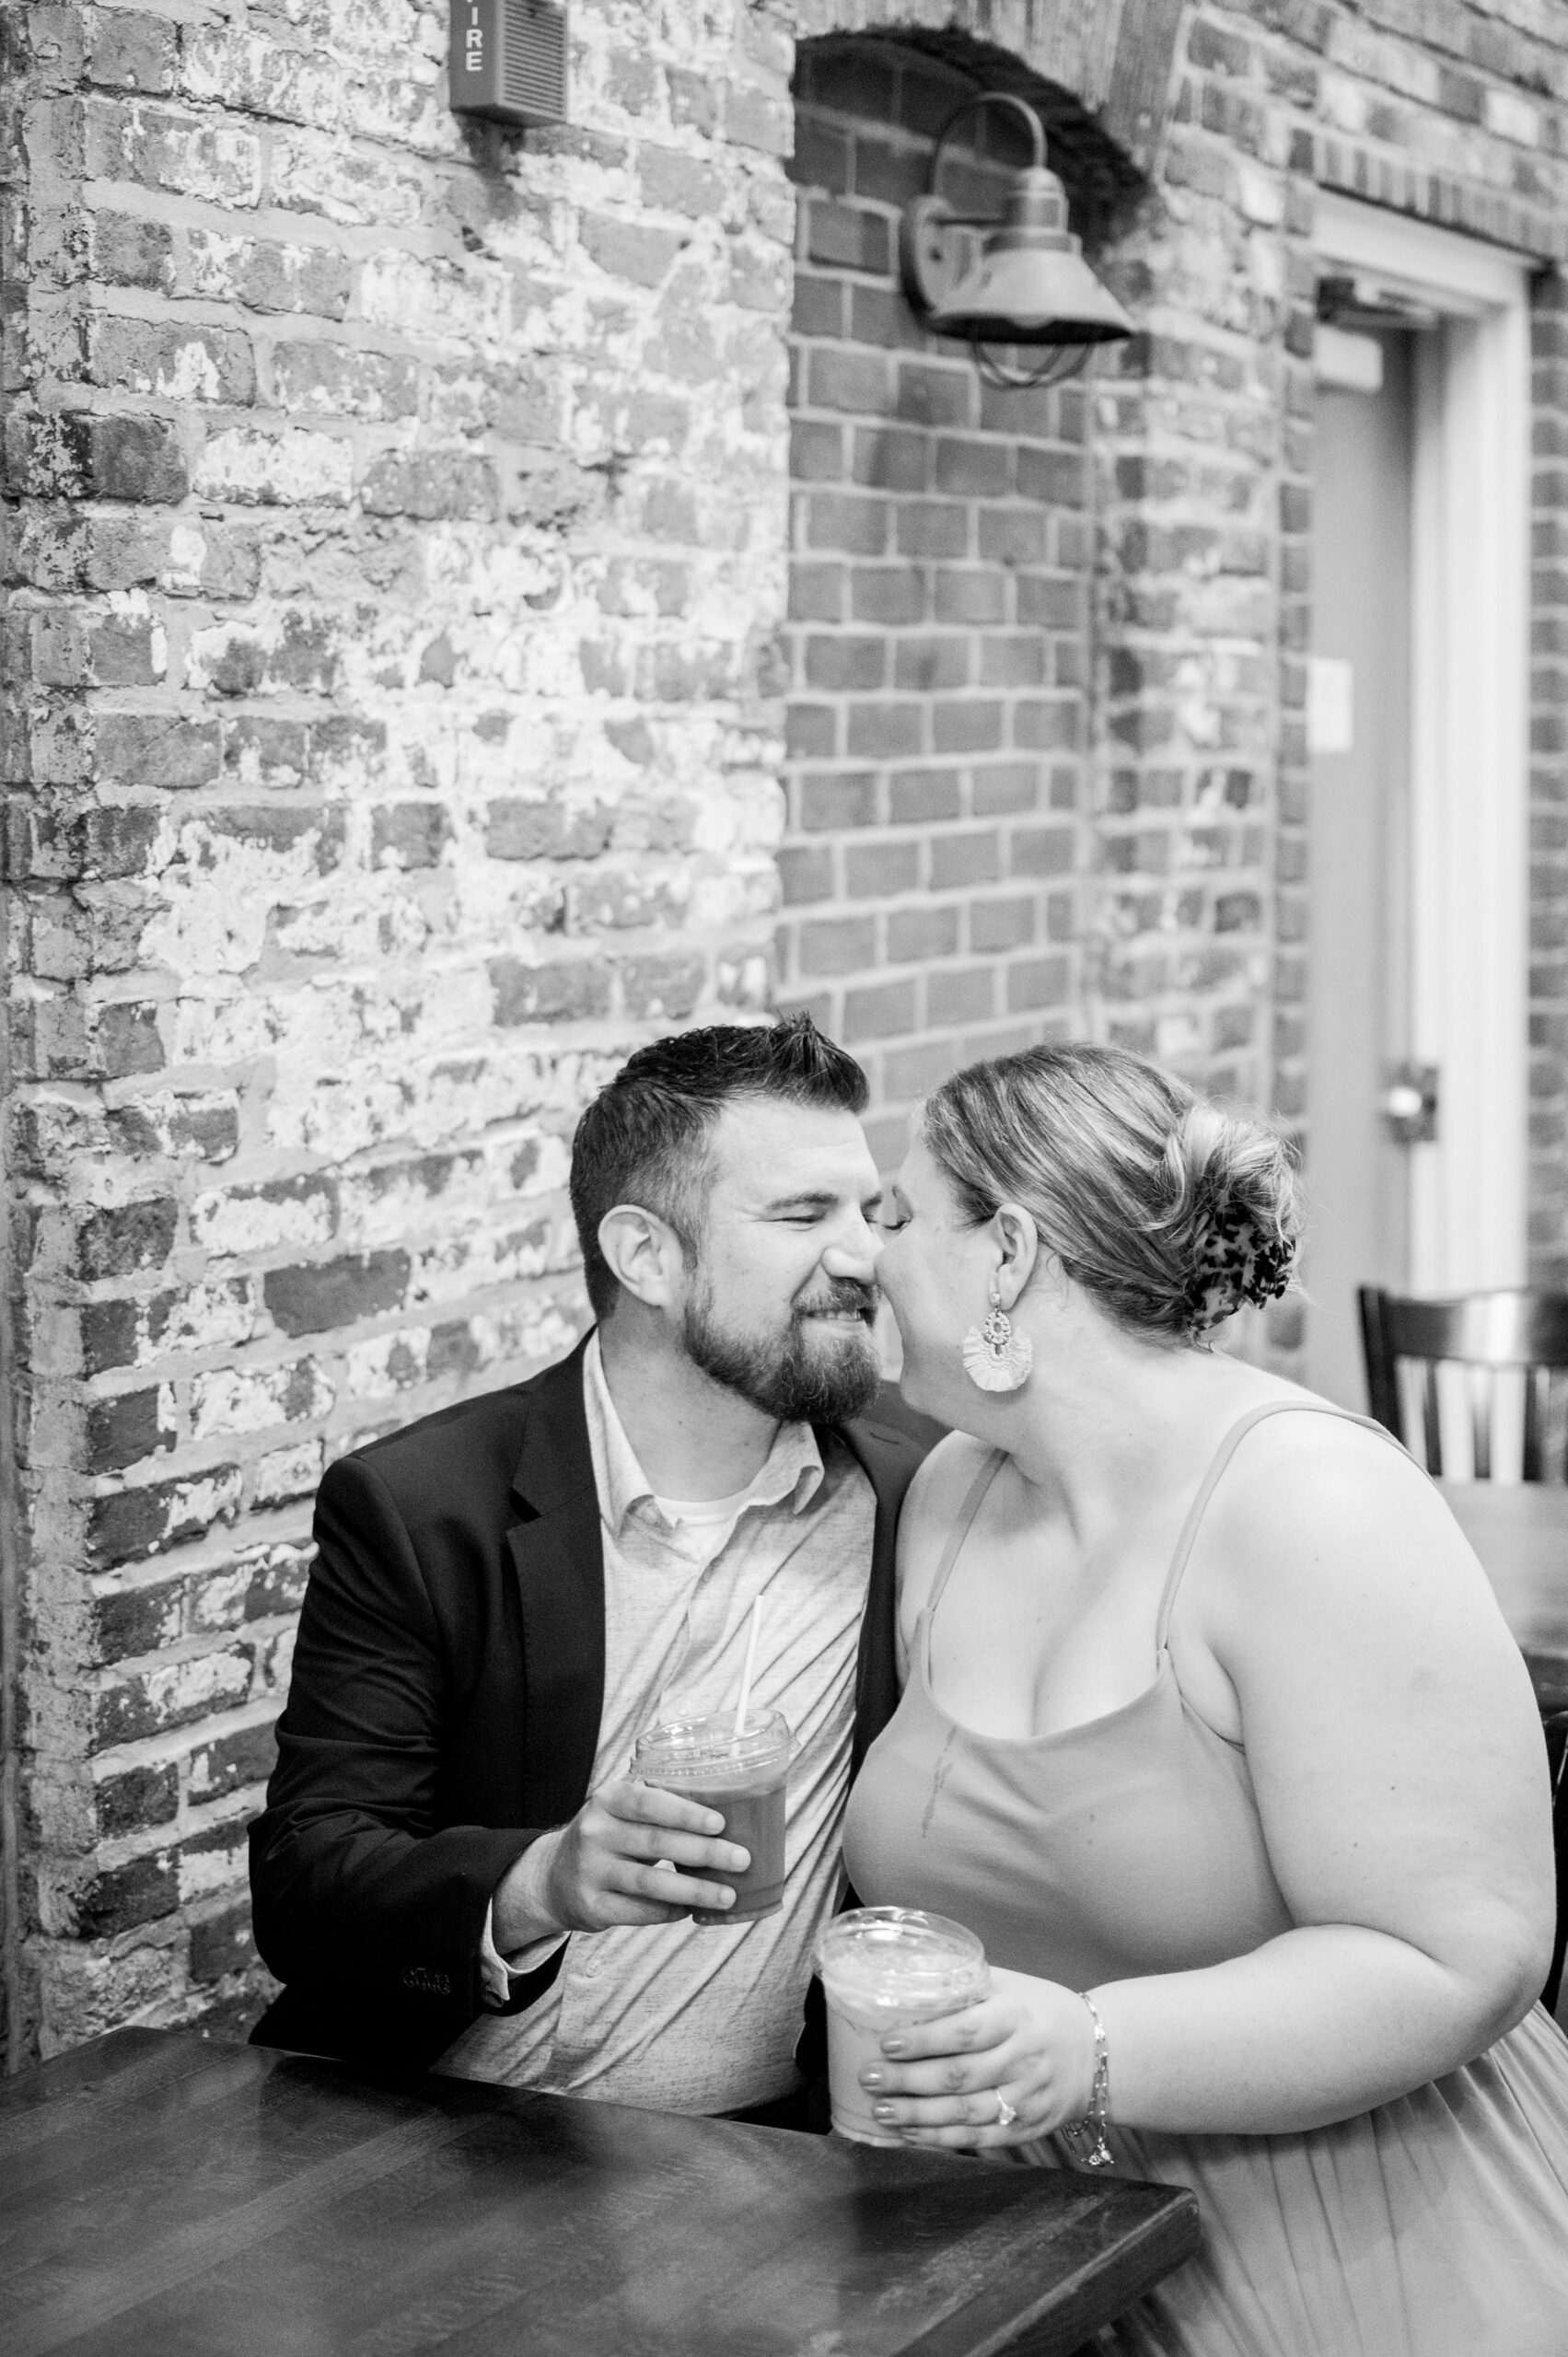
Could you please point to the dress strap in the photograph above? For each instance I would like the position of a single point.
(1221, 1459)
(958, 1533)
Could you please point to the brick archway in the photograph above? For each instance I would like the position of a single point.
(1117, 60)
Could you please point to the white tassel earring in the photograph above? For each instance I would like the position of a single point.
(994, 1357)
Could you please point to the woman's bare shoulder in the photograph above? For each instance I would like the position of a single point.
(1328, 1501)
(1341, 1459)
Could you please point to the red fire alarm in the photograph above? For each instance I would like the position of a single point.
(508, 60)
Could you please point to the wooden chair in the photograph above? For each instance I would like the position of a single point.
(1556, 1729)
(1484, 1333)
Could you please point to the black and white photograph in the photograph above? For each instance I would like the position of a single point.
(783, 1116)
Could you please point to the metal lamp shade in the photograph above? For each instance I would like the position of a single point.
(1030, 286)
(1034, 293)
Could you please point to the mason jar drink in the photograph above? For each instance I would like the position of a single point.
(885, 1968)
(742, 1776)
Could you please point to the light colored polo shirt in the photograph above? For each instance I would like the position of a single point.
(683, 2017)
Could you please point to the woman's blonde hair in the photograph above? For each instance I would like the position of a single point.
(1170, 1212)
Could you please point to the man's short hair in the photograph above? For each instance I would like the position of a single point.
(645, 1138)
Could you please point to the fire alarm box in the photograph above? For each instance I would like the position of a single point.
(508, 60)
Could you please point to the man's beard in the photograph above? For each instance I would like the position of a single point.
(782, 1375)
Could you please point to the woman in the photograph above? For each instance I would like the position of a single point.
(1213, 1733)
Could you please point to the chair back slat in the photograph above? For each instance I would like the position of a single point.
(1482, 1389)
(1382, 1373)
(1431, 1429)
(1538, 1405)
(1484, 1333)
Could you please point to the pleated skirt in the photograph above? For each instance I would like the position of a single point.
(1434, 2226)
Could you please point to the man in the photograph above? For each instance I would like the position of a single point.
(454, 1861)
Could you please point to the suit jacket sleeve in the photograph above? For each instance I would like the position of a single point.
(357, 1888)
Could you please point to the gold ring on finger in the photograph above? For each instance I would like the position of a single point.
(1005, 2114)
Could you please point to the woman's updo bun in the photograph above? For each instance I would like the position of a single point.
(1169, 1210)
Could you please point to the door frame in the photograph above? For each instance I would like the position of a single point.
(1469, 733)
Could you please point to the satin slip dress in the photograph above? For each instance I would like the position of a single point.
(1434, 2226)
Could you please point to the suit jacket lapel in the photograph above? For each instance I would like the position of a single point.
(559, 1555)
(888, 1458)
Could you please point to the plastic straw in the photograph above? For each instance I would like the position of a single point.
(750, 1666)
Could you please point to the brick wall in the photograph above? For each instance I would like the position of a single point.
(397, 552)
(1457, 117)
(1179, 921)
(1548, 792)
(391, 742)
(1203, 455)
(939, 596)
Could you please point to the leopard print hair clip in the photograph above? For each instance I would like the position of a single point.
(1236, 1262)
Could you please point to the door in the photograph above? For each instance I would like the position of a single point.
(1419, 852)
(1357, 1191)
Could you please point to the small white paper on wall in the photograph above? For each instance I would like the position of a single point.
(1331, 704)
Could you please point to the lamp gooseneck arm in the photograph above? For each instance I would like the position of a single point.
(989, 99)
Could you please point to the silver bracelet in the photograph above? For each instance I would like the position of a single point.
(1090, 2132)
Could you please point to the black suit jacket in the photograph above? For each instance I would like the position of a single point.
(445, 1707)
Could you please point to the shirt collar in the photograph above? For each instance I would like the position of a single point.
(790, 1475)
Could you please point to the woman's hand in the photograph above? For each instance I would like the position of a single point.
(1031, 2041)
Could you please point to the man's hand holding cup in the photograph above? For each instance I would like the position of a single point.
(632, 1854)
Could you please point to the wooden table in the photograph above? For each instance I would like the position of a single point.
(1520, 1533)
(163, 2195)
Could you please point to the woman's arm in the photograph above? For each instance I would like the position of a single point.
(1396, 1755)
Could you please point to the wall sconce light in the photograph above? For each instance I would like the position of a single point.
(507, 59)
(1030, 284)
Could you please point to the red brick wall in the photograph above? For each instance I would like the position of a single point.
(940, 571)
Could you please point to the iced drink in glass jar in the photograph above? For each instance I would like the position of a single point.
(742, 1776)
(886, 1968)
